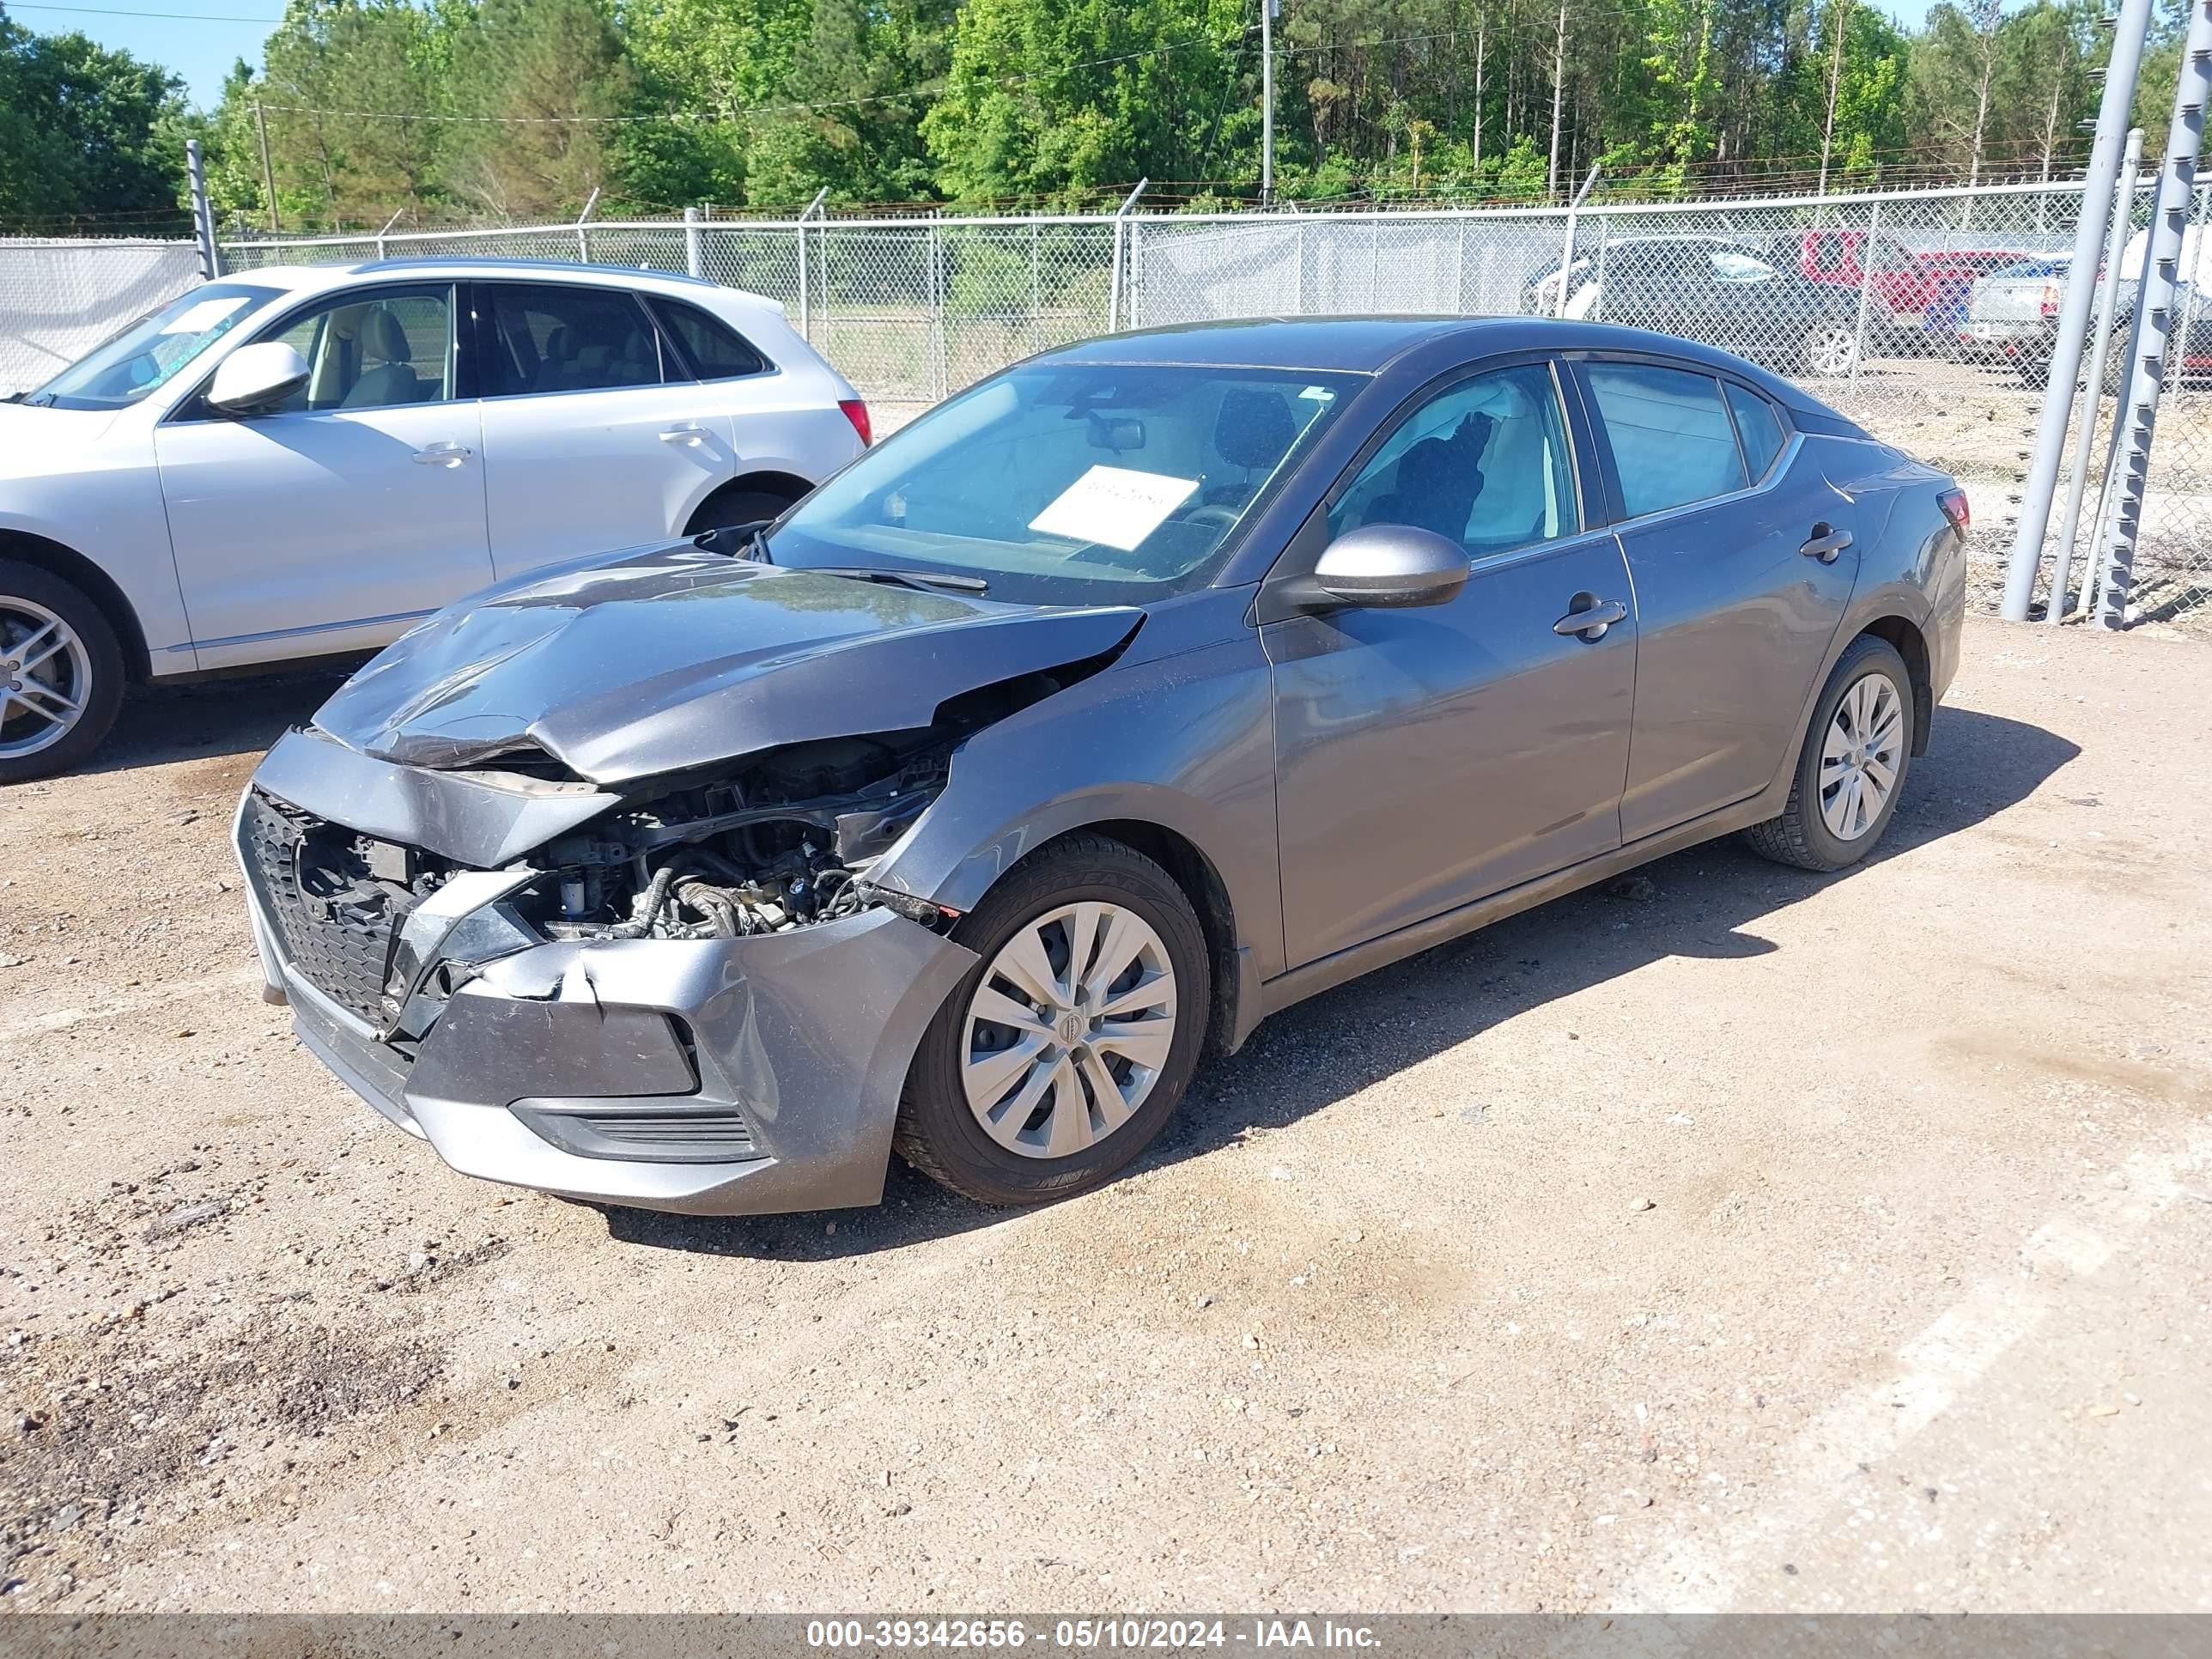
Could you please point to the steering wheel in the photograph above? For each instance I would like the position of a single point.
(1210, 512)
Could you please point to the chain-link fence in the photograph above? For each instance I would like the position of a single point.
(59, 298)
(1926, 315)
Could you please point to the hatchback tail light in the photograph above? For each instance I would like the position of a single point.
(857, 413)
(1958, 510)
(2051, 296)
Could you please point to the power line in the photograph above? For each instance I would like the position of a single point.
(172, 16)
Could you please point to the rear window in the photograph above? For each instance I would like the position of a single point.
(717, 351)
(1755, 423)
(1672, 440)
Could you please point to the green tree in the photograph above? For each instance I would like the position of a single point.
(533, 89)
(86, 133)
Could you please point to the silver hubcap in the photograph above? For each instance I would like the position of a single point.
(1069, 1029)
(45, 675)
(1859, 761)
(1832, 351)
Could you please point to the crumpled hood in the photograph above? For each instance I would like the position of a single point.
(675, 658)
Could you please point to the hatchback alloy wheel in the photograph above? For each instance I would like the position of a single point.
(1831, 350)
(45, 677)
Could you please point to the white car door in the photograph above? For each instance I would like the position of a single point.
(590, 442)
(333, 522)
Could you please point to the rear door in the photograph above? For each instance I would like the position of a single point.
(596, 436)
(1743, 557)
(1425, 758)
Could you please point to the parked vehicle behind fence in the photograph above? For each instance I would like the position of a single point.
(303, 461)
(1129, 696)
(2011, 313)
(1911, 294)
(1715, 290)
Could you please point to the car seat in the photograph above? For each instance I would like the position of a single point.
(1437, 481)
(394, 380)
(1255, 430)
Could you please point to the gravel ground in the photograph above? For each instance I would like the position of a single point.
(1729, 1238)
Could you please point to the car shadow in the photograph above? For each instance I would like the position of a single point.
(1706, 901)
(209, 717)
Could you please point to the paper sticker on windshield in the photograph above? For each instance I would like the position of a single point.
(1114, 505)
(1320, 394)
(197, 320)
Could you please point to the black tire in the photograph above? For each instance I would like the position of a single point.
(726, 507)
(100, 669)
(1800, 836)
(941, 1136)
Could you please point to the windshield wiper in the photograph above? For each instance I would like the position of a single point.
(748, 542)
(924, 579)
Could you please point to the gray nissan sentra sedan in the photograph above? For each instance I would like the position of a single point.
(1124, 700)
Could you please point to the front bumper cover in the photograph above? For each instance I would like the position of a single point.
(574, 1068)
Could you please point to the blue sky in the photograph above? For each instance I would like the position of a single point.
(201, 39)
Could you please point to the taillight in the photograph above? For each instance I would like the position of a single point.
(2051, 296)
(857, 413)
(1958, 510)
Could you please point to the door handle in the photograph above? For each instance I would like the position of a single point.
(1825, 543)
(441, 454)
(685, 432)
(1588, 622)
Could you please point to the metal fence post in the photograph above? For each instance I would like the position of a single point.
(1036, 287)
(1866, 286)
(939, 341)
(203, 217)
(1114, 271)
(805, 294)
(583, 243)
(692, 265)
(1567, 247)
(2093, 383)
(2128, 36)
(2155, 308)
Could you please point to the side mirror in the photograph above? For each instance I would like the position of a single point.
(1389, 565)
(255, 379)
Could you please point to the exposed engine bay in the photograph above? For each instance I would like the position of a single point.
(785, 839)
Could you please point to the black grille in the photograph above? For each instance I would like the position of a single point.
(338, 936)
(694, 1137)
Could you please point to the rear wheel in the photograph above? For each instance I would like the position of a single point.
(1062, 1052)
(1852, 766)
(61, 673)
(1831, 350)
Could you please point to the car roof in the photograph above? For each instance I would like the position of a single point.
(335, 275)
(1368, 345)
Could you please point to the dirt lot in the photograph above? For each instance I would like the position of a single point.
(1747, 1240)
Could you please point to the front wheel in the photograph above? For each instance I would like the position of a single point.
(61, 673)
(1831, 350)
(1066, 1048)
(1852, 766)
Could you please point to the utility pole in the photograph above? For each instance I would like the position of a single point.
(1843, 9)
(1559, 91)
(1266, 101)
(2099, 183)
(268, 173)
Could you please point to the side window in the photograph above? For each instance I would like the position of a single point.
(551, 338)
(1672, 440)
(394, 346)
(716, 351)
(1755, 423)
(1486, 462)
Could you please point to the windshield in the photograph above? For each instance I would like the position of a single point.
(1070, 483)
(153, 350)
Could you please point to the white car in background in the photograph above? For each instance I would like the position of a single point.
(301, 462)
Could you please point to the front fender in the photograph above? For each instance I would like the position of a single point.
(1184, 742)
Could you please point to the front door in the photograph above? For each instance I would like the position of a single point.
(1425, 758)
(331, 524)
(1735, 616)
(587, 449)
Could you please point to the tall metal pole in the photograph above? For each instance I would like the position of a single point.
(1866, 285)
(1267, 101)
(2154, 326)
(692, 263)
(2093, 382)
(805, 299)
(268, 173)
(203, 216)
(2097, 187)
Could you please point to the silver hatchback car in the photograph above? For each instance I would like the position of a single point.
(1124, 700)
